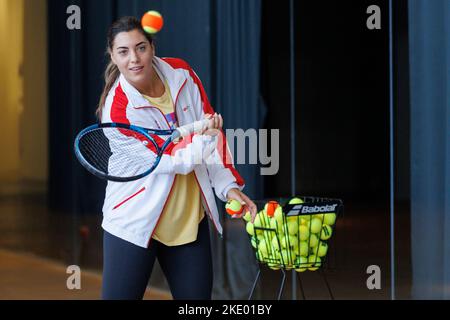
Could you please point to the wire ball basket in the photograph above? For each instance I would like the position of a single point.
(293, 233)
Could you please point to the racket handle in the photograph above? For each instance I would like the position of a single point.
(187, 129)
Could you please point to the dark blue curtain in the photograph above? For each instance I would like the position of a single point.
(429, 29)
(236, 65)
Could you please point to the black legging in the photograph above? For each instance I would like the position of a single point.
(127, 267)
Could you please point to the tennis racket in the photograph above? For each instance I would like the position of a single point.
(121, 152)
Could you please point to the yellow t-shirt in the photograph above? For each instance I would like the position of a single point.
(179, 220)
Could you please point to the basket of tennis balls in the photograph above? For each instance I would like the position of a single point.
(291, 233)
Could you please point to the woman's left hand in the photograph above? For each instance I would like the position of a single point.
(215, 123)
(245, 201)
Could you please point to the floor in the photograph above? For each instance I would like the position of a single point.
(25, 276)
(37, 246)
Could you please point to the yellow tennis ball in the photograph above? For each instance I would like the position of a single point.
(303, 264)
(319, 216)
(295, 201)
(287, 257)
(305, 219)
(253, 242)
(313, 240)
(250, 228)
(329, 219)
(262, 246)
(293, 241)
(278, 215)
(257, 221)
(289, 242)
(273, 266)
(315, 262)
(316, 225)
(326, 232)
(233, 207)
(274, 225)
(276, 244)
(284, 242)
(320, 250)
(152, 21)
(292, 227)
(303, 232)
(247, 216)
(303, 248)
(276, 256)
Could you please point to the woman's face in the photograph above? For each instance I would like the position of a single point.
(133, 54)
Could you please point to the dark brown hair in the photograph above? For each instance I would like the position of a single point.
(124, 24)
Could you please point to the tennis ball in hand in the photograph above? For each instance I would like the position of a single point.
(152, 22)
(233, 207)
(326, 232)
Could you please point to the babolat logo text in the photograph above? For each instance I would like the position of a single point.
(327, 208)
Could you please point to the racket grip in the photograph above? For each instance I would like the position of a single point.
(187, 129)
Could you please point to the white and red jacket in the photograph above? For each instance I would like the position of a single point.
(131, 210)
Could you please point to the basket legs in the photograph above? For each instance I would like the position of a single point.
(301, 286)
(283, 279)
(254, 284)
(280, 291)
(328, 285)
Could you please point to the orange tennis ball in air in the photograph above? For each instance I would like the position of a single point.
(233, 207)
(152, 21)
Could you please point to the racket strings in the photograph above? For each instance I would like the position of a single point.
(115, 152)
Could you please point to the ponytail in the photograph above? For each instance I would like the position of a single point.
(111, 75)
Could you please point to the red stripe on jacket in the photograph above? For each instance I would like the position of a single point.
(207, 108)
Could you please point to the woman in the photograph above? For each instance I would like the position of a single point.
(162, 215)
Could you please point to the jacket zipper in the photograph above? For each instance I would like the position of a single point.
(199, 186)
(173, 183)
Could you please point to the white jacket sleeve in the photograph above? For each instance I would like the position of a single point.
(221, 171)
(186, 155)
